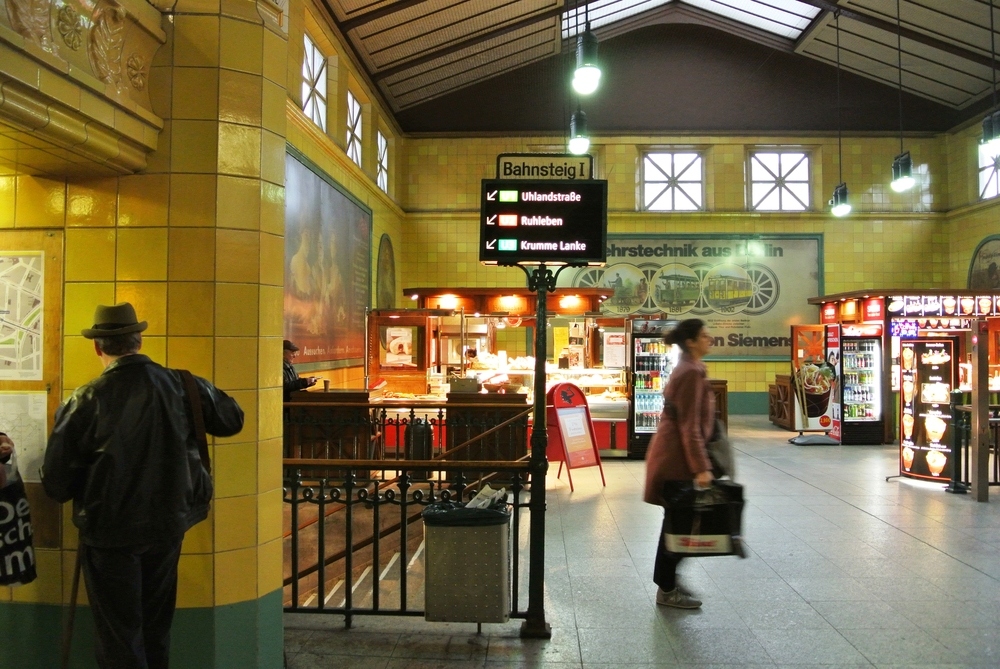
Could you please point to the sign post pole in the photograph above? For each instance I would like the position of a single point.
(542, 280)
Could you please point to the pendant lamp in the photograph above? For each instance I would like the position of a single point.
(587, 75)
(902, 166)
(579, 140)
(839, 206)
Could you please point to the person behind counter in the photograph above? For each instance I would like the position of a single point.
(677, 455)
(292, 381)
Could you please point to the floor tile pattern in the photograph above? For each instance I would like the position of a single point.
(845, 570)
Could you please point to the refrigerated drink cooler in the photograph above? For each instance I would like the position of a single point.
(862, 416)
(650, 363)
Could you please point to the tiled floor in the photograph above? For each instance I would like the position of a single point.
(845, 570)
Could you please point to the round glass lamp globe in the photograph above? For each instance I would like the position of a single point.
(840, 210)
(586, 79)
(902, 184)
(579, 145)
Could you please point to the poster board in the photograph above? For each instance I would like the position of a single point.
(571, 436)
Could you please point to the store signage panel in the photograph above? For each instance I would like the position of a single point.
(828, 313)
(925, 414)
(543, 222)
(944, 305)
(538, 166)
(747, 288)
(873, 310)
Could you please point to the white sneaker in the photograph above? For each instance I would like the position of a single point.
(676, 599)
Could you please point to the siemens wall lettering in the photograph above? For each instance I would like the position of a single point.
(561, 222)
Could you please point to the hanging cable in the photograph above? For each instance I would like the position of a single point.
(993, 56)
(899, 68)
(840, 138)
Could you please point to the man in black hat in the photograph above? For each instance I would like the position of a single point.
(290, 377)
(124, 449)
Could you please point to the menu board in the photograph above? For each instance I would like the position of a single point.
(950, 306)
(927, 379)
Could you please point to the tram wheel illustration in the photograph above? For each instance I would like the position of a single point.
(589, 277)
(765, 289)
(701, 307)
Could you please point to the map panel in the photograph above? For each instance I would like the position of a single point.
(22, 417)
(21, 310)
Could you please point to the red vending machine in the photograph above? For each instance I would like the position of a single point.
(861, 402)
(650, 362)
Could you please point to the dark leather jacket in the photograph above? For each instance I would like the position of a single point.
(291, 380)
(123, 449)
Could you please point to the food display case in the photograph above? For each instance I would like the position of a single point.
(650, 363)
(927, 378)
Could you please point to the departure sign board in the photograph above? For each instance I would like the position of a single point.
(543, 222)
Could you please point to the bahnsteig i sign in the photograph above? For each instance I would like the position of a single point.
(748, 289)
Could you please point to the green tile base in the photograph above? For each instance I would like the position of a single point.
(204, 638)
(747, 403)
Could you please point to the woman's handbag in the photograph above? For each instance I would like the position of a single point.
(17, 557)
(698, 523)
(720, 452)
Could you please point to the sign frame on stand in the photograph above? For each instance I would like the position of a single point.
(574, 442)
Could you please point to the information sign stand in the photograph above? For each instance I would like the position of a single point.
(573, 443)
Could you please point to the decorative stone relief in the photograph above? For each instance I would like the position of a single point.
(70, 27)
(106, 40)
(136, 69)
(30, 18)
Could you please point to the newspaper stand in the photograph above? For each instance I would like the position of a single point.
(467, 564)
(572, 442)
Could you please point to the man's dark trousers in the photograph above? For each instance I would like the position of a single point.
(132, 593)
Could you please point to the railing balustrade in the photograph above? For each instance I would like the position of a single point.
(357, 476)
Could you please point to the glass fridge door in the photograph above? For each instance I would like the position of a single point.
(653, 361)
(862, 379)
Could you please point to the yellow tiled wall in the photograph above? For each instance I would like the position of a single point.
(875, 247)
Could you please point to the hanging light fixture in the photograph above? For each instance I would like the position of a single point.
(579, 140)
(839, 206)
(991, 122)
(587, 75)
(902, 166)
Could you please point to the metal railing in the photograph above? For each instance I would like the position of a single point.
(961, 426)
(357, 476)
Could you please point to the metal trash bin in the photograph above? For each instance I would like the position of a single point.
(466, 563)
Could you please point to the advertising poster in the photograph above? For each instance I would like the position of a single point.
(748, 289)
(614, 349)
(814, 378)
(327, 267)
(984, 270)
(833, 353)
(927, 379)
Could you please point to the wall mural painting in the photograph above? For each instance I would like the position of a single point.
(327, 267)
(749, 289)
(385, 275)
(984, 270)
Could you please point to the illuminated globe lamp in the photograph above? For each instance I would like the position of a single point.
(579, 141)
(902, 173)
(839, 206)
(587, 76)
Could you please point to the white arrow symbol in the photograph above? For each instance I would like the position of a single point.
(491, 244)
(491, 196)
(492, 220)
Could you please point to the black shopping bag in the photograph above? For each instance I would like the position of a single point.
(708, 522)
(17, 558)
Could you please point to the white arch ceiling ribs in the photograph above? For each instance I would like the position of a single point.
(416, 50)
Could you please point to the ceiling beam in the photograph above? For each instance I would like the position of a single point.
(913, 35)
(431, 55)
(375, 14)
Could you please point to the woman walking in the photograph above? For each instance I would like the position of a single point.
(677, 456)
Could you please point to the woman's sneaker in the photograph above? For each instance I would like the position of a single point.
(676, 599)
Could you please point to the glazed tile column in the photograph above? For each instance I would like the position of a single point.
(204, 261)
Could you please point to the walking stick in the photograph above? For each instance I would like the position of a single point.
(67, 639)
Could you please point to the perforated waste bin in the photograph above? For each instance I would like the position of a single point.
(467, 563)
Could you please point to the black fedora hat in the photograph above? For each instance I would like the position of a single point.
(117, 320)
(287, 345)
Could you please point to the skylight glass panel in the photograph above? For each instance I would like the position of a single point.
(604, 12)
(787, 18)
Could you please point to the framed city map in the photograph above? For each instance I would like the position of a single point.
(21, 315)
